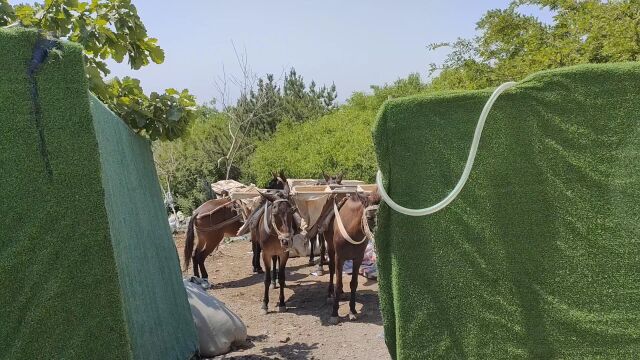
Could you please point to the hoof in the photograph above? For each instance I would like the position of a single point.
(282, 308)
(352, 317)
(274, 286)
(333, 320)
(258, 271)
(205, 284)
(311, 262)
(263, 309)
(320, 271)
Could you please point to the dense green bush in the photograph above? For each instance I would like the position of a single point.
(185, 165)
(338, 142)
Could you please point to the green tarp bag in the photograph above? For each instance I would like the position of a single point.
(539, 256)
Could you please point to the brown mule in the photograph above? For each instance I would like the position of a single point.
(212, 221)
(274, 234)
(347, 240)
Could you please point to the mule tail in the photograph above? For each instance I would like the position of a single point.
(188, 247)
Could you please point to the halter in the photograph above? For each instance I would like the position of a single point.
(265, 222)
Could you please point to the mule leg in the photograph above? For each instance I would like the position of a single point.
(267, 283)
(203, 256)
(313, 249)
(274, 277)
(332, 271)
(323, 250)
(338, 290)
(195, 259)
(281, 278)
(354, 287)
(256, 257)
(320, 267)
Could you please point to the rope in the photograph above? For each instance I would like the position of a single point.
(365, 222)
(465, 174)
(222, 224)
(343, 231)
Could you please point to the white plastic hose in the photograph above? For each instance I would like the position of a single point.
(467, 168)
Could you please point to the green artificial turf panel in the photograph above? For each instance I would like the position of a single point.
(156, 306)
(59, 296)
(539, 256)
(66, 276)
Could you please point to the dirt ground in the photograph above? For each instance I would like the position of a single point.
(303, 331)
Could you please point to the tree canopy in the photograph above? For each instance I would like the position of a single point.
(511, 44)
(300, 128)
(111, 29)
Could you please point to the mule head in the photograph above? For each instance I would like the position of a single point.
(332, 180)
(271, 197)
(275, 182)
(282, 220)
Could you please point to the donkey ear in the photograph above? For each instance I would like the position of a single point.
(326, 177)
(339, 178)
(284, 178)
(274, 174)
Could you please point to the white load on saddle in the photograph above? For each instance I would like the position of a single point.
(224, 188)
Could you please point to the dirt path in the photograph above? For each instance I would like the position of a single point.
(303, 331)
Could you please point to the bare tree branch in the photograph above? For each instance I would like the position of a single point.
(250, 107)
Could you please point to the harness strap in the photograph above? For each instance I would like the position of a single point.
(343, 231)
(218, 226)
(208, 213)
(265, 220)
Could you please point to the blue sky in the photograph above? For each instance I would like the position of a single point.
(353, 43)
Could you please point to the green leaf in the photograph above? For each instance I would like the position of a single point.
(24, 12)
(100, 21)
(140, 120)
(157, 54)
(71, 3)
(174, 114)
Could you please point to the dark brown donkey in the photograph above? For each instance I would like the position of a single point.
(274, 234)
(212, 221)
(276, 183)
(347, 240)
